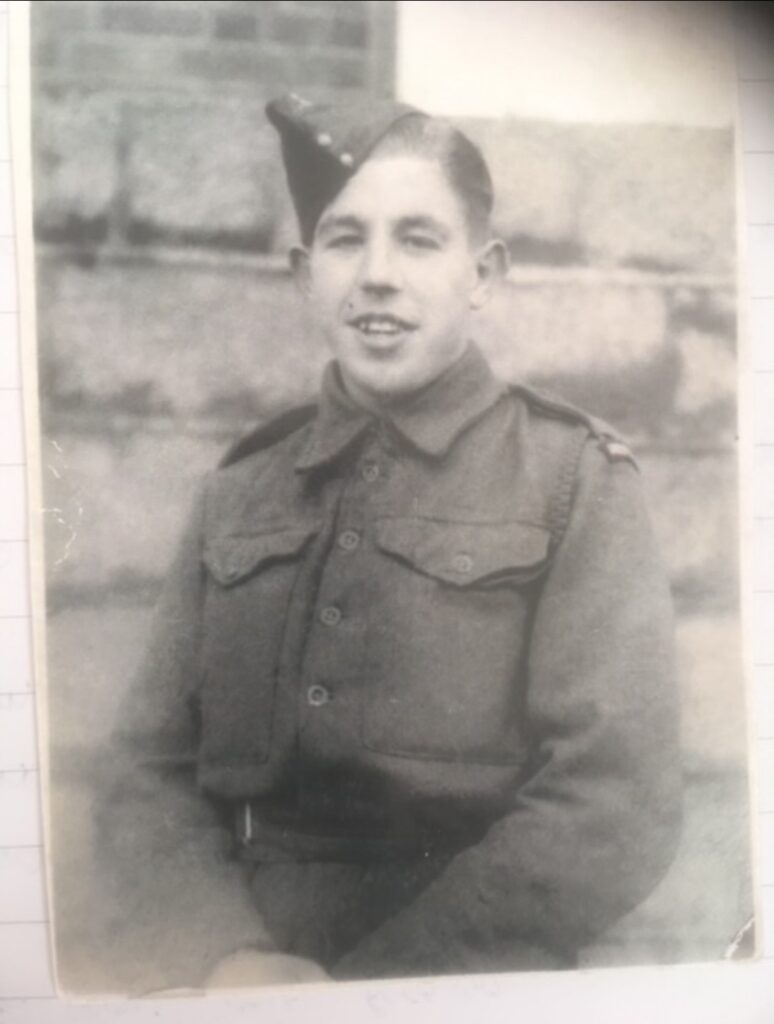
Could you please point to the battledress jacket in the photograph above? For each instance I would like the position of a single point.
(441, 638)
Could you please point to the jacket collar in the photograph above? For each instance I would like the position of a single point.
(430, 419)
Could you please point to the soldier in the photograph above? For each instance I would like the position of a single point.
(409, 704)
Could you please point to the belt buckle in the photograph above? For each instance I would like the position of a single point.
(244, 824)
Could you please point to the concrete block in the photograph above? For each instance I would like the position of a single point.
(693, 505)
(122, 503)
(55, 17)
(298, 27)
(353, 9)
(642, 196)
(350, 8)
(106, 61)
(708, 373)
(203, 171)
(75, 163)
(239, 25)
(337, 72)
(93, 654)
(659, 198)
(177, 19)
(44, 54)
(238, 63)
(537, 181)
(598, 343)
(345, 31)
(163, 339)
(630, 350)
(309, 25)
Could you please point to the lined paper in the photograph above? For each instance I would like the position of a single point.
(761, 326)
(741, 993)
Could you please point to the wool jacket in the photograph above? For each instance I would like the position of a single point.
(442, 635)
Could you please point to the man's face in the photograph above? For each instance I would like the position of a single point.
(392, 274)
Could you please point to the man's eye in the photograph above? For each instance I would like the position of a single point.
(344, 242)
(422, 242)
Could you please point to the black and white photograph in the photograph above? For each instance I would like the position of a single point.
(387, 432)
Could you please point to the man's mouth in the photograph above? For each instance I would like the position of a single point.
(383, 325)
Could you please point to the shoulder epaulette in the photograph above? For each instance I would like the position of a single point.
(268, 434)
(609, 440)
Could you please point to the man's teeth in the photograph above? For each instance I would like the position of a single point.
(379, 326)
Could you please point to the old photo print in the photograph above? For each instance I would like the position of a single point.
(175, 336)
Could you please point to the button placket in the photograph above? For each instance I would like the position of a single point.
(333, 647)
(374, 462)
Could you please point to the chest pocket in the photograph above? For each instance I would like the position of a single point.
(446, 651)
(466, 554)
(250, 585)
(231, 560)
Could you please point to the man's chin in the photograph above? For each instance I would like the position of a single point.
(383, 388)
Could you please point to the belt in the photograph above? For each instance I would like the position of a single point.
(262, 840)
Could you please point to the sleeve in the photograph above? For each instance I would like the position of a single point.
(595, 825)
(174, 900)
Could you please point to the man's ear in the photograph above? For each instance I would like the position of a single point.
(299, 265)
(492, 264)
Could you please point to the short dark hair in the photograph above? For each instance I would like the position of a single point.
(462, 162)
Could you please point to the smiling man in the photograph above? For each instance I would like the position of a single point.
(409, 705)
(393, 271)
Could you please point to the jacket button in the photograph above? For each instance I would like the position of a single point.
(318, 695)
(231, 570)
(330, 616)
(462, 564)
(370, 472)
(349, 540)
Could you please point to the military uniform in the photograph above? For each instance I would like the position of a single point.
(409, 706)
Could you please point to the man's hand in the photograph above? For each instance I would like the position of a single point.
(251, 968)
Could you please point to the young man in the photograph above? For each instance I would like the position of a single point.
(409, 706)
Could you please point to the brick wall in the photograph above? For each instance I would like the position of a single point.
(134, 98)
(189, 45)
(131, 99)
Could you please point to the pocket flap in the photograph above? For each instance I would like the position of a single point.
(231, 559)
(465, 553)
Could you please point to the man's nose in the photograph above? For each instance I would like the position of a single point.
(379, 271)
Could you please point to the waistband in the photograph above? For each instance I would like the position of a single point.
(261, 840)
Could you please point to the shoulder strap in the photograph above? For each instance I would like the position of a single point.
(268, 433)
(563, 494)
(609, 440)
